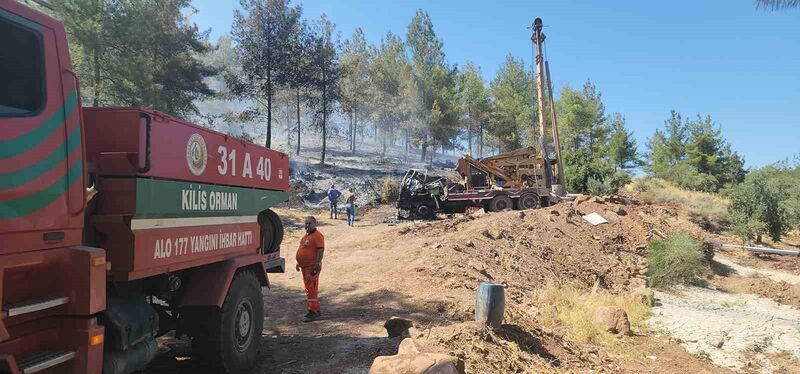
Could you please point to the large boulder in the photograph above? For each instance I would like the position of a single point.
(613, 319)
(409, 360)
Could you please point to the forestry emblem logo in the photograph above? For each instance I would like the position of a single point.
(196, 154)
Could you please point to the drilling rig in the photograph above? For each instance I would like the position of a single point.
(525, 178)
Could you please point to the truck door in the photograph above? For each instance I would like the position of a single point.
(41, 160)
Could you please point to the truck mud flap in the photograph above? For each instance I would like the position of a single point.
(277, 265)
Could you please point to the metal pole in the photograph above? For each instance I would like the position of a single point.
(538, 38)
(556, 142)
(774, 251)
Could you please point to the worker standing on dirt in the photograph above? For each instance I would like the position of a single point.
(351, 208)
(333, 196)
(309, 262)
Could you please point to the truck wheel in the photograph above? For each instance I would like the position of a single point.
(528, 201)
(424, 211)
(271, 231)
(500, 203)
(228, 339)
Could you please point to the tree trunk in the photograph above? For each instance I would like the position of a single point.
(324, 114)
(355, 127)
(350, 132)
(480, 145)
(469, 139)
(96, 98)
(383, 152)
(288, 126)
(405, 156)
(297, 93)
(268, 143)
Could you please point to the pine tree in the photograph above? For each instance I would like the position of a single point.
(388, 77)
(355, 62)
(667, 148)
(693, 155)
(622, 146)
(474, 101)
(434, 104)
(263, 31)
(325, 75)
(512, 111)
(120, 62)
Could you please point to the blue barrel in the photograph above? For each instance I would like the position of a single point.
(490, 304)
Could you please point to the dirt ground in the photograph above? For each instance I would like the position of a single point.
(428, 272)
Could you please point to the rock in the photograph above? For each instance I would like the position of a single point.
(470, 244)
(613, 319)
(409, 360)
(582, 198)
(521, 214)
(437, 245)
(717, 340)
(643, 295)
(622, 212)
(405, 230)
(397, 326)
(487, 234)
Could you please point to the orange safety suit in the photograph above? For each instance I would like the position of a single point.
(306, 257)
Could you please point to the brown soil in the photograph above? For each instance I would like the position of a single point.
(429, 272)
(780, 292)
(789, 264)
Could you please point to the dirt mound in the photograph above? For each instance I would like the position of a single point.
(526, 250)
(513, 348)
(780, 292)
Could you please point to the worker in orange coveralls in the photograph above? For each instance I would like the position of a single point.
(309, 261)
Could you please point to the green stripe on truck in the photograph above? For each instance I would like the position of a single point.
(29, 140)
(39, 199)
(29, 173)
(164, 198)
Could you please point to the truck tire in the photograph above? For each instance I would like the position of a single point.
(527, 201)
(500, 203)
(227, 339)
(424, 211)
(271, 231)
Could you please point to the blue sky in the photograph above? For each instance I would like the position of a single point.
(739, 64)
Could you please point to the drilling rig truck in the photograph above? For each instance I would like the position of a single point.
(524, 178)
(118, 225)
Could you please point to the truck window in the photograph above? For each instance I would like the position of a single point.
(21, 70)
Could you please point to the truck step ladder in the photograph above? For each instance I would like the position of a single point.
(26, 307)
(44, 360)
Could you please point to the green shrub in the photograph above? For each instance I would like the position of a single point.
(674, 261)
(600, 187)
(390, 190)
(759, 206)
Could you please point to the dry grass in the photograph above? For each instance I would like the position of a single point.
(708, 210)
(390, 190)
(570, 310)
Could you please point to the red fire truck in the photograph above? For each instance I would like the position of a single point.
(118, 225)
